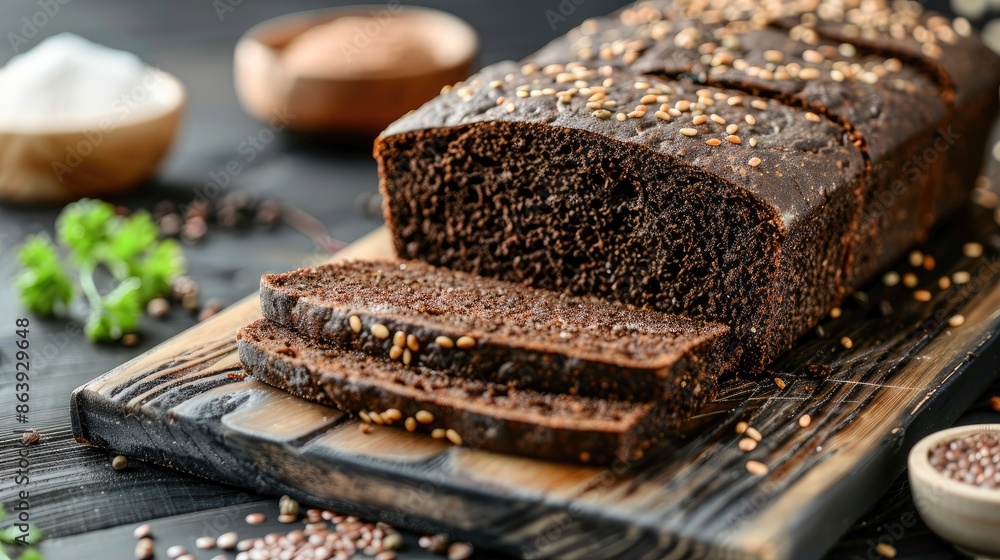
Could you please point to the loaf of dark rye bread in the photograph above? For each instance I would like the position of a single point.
(734, 161)
(496, 331)
(473, 413)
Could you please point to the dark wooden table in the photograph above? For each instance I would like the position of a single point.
(86, 509)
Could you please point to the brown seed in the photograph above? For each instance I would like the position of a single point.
(365, 428)
(713, 142)
(355, 323)
(189, 302)
(465, 342)
(961, 277)
(759, 104)
(255, 518)
(30, 436)
(916, 258)
(835, 313)
(700, 119)
(411, 424)
(227, 541)
(972, 250)
(601, 114)
(754, 161)
(444, 342)
(805, 420)
(922, 295)
(732, 129)
(438, 433)
(176, 551)
(453, 437)
(460, 551)
(205, 543)
(885, 550)
(407, 356)
(717, 119)
(909, 280)
(393, 414)
(747, 444)
(130, 339)
(392, 541)
(424, 417)
(412, 343)
(119, 463)
(780, 382)
(142, 531)
(757, 468)
(741, 427)
(929, 262)
(377, 418)
(144, 549)
(944, 282)
(395, 352)
(995, 403)
(380, 331)
(158, 307)
(662, 115)
(956, 320)
(890, 278)
(846, 342)
(753, 433)
(733, 139)
(399, 339)
(293, 518)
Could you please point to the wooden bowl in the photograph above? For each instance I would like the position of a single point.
(347, 100)
(61, 162)
(966, 515)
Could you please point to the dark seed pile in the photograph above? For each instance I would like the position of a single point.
(973, 459)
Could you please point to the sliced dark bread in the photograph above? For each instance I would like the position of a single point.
(497, 331)
(473, 413)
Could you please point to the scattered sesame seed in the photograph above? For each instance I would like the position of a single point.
(393, 415)
(972, 250)
(255, 518)
(601, 114)
(142, 531)
(444, 342)
(956, 320)
(754, 161)
(700, 119)
(732, 139)
(731, 129)
(713, 141)
(355, 323)
(465, 342)
(944, 282)
(780, 382)
(683, 105)
(916, 258)
(753, 142)
(119, 463)
(750, 119)
(399, 339)
(377, 418)
(621, 117)
(648, 99)
(922, 295)
(424, 417)
(759, 104)
(364, 416)
(662, 115)
(380, 331)
(810, 116)
(961, 277)
(753, 433)
(747, 444)
(496, 84)
(909, 280)
(717, 119)
(846, 342)
(890, 278)
(395, 352)
(407, 356)
(835, 313)
(438, 433)
(529, 68)
(886, 550)
(809, 74)
(453, 437)
(689, 132)
(410, 423)
(741, 427)
(756, 468)
(412, 343)
(805, 420)
(509, 107)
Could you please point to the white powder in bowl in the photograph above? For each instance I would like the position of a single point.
(68, 81)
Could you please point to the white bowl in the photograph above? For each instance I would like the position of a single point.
(61, 162)
(966, 515)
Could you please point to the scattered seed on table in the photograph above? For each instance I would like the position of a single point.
(890, 278)
(365, 428)
(424, 417)
(910, 280)
(288, 506)
(846, 342)
(453, 437)
(205, 543)
(956, 320)
(753, 433)
(283, 518)
(922, 295)
(30, 436)
(972, 250)
(158, 307)
(747, 444)
(741, 427)
(805, 420)
(142, 531)
(756, 468)
(380, 331)
(835, 313)
(961, 277)
(130, 339)
(175, 551)
(227, 541)
(255, 518)
(438, 433)
(885, 550)
(119, 462)
(355, 323)
(144, 549)
(444, 342)
(780, 382)
(916, 258)
(460, 551)
(944, 282)
(410, 423)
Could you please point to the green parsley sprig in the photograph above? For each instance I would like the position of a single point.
(142, 265)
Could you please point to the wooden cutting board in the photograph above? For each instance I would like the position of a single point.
(184, 404)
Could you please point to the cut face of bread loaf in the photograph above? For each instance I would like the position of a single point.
(464, 411)
(495, 331)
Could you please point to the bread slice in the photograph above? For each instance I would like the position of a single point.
(501, 332)
(474, 413)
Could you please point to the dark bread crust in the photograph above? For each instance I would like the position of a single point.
(524, 337)
(486, 415)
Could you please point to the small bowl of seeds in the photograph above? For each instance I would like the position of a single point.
(955, 480)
